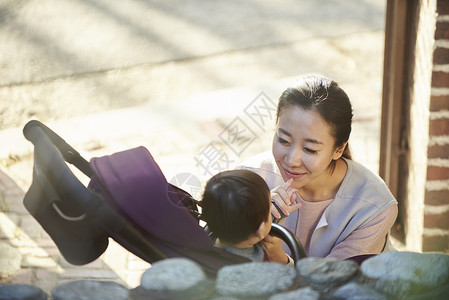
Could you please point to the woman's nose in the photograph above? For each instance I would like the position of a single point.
(293, 158)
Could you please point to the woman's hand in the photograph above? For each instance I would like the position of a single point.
(285, 199)
(274, 249)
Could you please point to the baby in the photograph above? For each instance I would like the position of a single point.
(236, 206)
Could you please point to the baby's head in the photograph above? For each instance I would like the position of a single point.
(236, 206)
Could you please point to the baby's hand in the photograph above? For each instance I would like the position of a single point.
(274, 249)
(284, 197)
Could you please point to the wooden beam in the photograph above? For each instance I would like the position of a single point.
(393, 92)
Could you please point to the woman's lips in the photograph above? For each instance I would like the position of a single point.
(292, 174)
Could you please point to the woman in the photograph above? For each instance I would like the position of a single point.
(335, 206)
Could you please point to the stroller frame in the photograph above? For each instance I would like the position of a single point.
(80, 221)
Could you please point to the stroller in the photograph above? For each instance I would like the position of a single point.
(127, 199)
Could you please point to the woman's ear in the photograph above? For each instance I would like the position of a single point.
(339, 151)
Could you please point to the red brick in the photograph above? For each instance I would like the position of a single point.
(438, 103)
(435, 243)
(438, 151)
(437, 173)
(436, 197)
(440, 79)
(442, 31)
(440, 221)
(441, 56)
(439, 127)
(443, 7)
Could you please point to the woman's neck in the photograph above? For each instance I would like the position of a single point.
(326, 186)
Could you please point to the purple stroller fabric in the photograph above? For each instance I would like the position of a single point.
(133, 185)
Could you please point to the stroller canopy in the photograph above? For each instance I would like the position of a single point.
(132, 184)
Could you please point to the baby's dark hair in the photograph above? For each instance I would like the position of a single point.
(234, 204)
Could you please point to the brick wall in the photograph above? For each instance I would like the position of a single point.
(436, 210)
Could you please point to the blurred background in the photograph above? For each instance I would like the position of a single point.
(177, 63)
(181, 78)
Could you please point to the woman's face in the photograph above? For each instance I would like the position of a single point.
(303, 146)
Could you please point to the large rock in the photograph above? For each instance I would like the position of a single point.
(355, 291)
(325, 274)
(254, 279)
(306, 293)
(405, 273)
(174, 274)
(438, 293)
(174, 278)
(21, 292)
(10, 261)
(90, 289)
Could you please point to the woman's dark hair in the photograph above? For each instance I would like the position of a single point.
(234, 204)
(328, 99)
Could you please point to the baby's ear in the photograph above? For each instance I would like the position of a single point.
(261, 230)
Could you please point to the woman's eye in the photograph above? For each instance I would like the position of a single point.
(282, 141)
(308, 150)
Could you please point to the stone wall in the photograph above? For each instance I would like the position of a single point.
(392, 275)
